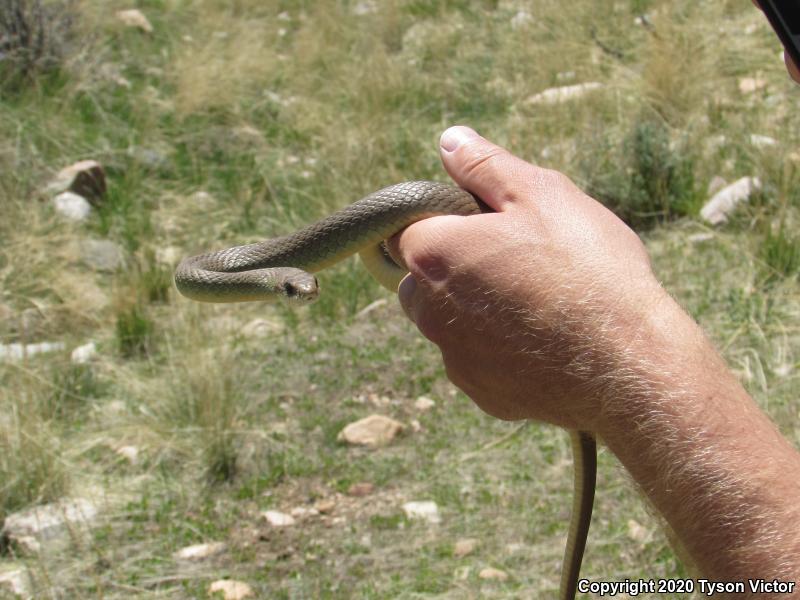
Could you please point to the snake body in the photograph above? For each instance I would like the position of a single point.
(283, 267)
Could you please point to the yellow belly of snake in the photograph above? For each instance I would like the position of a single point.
(283, 267)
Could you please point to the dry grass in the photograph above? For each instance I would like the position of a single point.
(280, 112)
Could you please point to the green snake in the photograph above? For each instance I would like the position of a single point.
(282, 267)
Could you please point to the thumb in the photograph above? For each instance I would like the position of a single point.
(487, 170)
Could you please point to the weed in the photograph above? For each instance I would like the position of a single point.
(780, 253)
(135, 331)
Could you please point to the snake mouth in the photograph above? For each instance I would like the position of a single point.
(306, 290)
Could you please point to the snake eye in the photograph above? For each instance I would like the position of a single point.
(290, 290)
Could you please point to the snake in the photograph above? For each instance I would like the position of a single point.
(283, 268)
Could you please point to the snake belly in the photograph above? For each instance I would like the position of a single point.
(283, 267)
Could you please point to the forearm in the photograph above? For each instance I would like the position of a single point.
(709, 460)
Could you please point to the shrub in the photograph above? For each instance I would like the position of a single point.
(644, 179)
(33, 39)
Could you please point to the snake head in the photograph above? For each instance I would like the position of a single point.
(299, 286)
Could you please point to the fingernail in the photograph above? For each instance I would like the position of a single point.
(405, 293)
(455, 136)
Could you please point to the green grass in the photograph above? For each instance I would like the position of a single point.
(233, 122)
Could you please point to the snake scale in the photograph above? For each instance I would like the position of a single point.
(283, 267)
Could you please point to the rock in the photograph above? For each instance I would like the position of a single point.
(15, 581)
(325, 506)
(150, 158)
(262, 328)
(424, 404)
(170, 256)
(425, 510)
(16, 351)
(520, 20)
(638, 532)
(136, 19)
(277, 518)
(230, 589)
(302, 512)
(200, 551)
(717, 209)
(559, 95)
(373, 431)
(50, 521)
(72, 207)
(85, 178)
(365, 7)
(27, 545)
(464, 547)
(699, 238)
(716, 184)
(203, 200)
(103, 255)
(84, 354)
(748, 85)
(129, 453)
(493, 574)
(763, 141)
(359, 490)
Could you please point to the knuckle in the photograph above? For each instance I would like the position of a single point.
(482, 159)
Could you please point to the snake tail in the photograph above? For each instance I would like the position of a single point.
(584, 452)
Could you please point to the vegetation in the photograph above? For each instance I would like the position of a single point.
(236, 121)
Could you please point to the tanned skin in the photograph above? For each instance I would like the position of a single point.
(548, 309)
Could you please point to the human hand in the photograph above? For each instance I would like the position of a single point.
(793, 69)
(534, 306)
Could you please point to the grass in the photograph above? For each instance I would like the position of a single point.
(236, 121)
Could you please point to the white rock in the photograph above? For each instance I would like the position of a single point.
(715, 185)
(301, 512)
(230, 589)
(521, 19)
(103, 255)
(278, 519)
(84, 354)
(135, 18)
(129, 453)
(170, 255)
(493, 574)
(748, 85)
(366, 7)
(762, 141)
(16, 351)
(424, 404)
(558, 95)
(85, 178)
(27, 544)
(15, 581)
(699, 238)
(262, 328)
(425, 510)
(717, 209)
(49, 521)
(200, 551)
(464, 547)
(638, 532)
(372, 431)
(72, 207)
